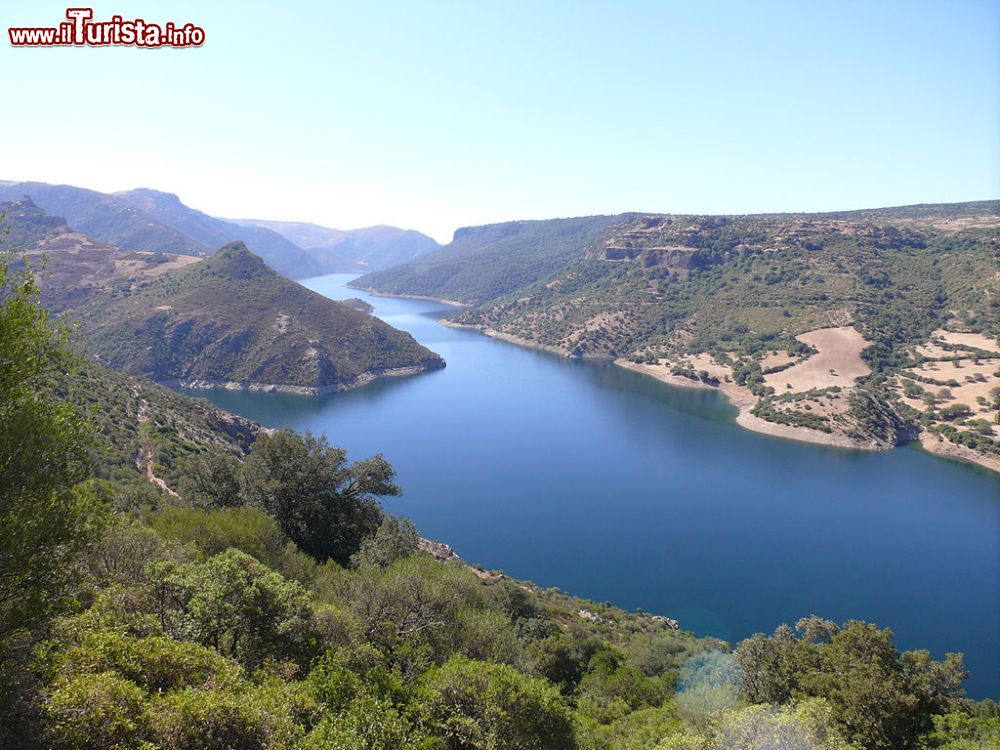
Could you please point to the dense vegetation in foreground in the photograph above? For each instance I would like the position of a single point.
(691, 294)
(266, 601)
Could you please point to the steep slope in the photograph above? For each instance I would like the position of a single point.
(230, 320)
(340, 250)
(484, 263)
(283, 256)
(107, 218)
(145, 427)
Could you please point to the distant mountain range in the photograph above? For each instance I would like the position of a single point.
(339, 250)
(226, 320)
(154, 221)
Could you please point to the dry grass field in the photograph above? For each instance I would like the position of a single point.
(837, 362)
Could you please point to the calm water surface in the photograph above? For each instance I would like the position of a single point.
(613, 486)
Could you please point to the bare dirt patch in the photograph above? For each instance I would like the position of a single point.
(837, 362)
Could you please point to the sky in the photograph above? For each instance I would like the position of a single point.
(433, 115)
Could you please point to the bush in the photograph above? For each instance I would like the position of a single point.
(368, 724)
(96, 712)
(209, 720)
(214, 531)
(481, 706)
(239, 607)
(157, 663)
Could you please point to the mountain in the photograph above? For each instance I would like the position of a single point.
(339, 250)
(483, 263)
(77, 269)
(283, 256)
(863, 329)
(150, 220)
(225, 320)
(104, 217)
(230, 320)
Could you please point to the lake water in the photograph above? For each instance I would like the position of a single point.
(613, 486)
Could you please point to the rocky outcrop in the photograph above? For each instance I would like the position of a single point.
(437, 550)
(674, 257)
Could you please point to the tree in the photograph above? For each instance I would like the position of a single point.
(324, 504)
(46, 520)
(211, 480)
(879, 698)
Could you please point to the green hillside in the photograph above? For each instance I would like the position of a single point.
(225, 320)
(899, 273)
(484, 263)
(230, 319)
(139, 425)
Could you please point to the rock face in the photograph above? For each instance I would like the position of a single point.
(437, 550)
(674, 257)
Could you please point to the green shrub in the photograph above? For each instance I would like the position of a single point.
(96, 712)
(481, 706)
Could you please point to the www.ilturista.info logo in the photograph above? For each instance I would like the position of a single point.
(81, 31)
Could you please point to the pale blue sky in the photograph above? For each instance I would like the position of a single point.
(434, 115)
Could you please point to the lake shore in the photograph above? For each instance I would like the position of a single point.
(508, 337)
(947, 449)
(204, 384)
(738, 395)
(373, 293)
(742, 399)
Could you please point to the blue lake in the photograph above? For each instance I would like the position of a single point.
(613, 486)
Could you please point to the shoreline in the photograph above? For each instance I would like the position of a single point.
(508, 337)
(944, 448)
(373, 293)
(737, 395)
(365, 378)
(744, 401)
